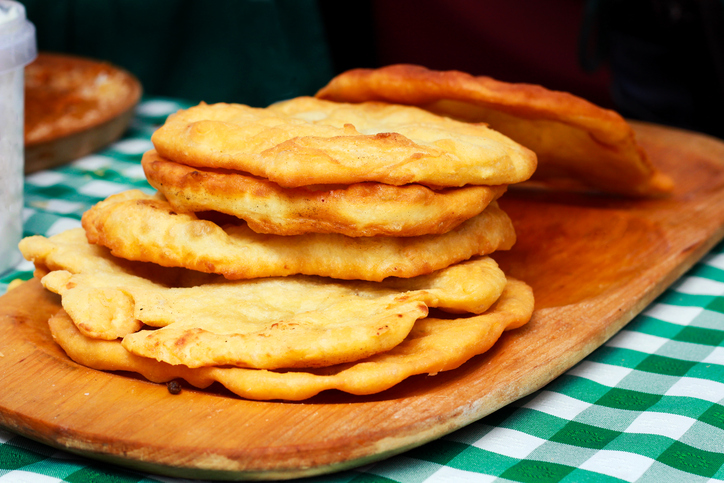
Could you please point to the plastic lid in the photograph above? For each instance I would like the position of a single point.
(17, 37)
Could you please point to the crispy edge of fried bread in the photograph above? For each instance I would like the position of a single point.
(305, 141)
(136, 226)
(326, 322)
(599, 148)
(360, 209)
(294, 321)
(420, 353)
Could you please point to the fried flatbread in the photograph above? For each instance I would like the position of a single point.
(361, 209)
(577, 142)
(455, 288)
(306, 141)
(263, 323)
(434, 345)
(109, 355)
(140, 227)
(69, 250)
(295, 321)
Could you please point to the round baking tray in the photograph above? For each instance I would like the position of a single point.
(60, 92)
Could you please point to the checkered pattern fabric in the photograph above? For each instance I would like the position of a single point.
(647, 406)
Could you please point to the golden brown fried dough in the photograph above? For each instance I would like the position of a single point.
(576, 141)
(463, 287)
(263, 323)
(70, 251)
(270, 323)
(307, 141)
(433, 345)
(361, 209)
(295, 321)
(101, 311)
(109, 355)
(298, 322)
(136, 226)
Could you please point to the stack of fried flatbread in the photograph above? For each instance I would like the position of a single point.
(306, 246)
(337, 242)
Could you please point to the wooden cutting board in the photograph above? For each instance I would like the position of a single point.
(594, 263)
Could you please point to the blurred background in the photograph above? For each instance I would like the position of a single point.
(654, 60)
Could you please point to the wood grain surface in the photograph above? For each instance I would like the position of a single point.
(594, 262)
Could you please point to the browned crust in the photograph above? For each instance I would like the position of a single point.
(307, 141)
(139, 227)
(417, 85)
(360, 209)
(612, 136)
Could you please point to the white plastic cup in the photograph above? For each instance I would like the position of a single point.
(17, 49)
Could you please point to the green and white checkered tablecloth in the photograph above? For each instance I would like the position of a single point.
(648, 406)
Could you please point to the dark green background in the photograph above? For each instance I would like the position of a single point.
(249, 51)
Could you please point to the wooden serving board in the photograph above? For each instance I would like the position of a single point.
(594, 263)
